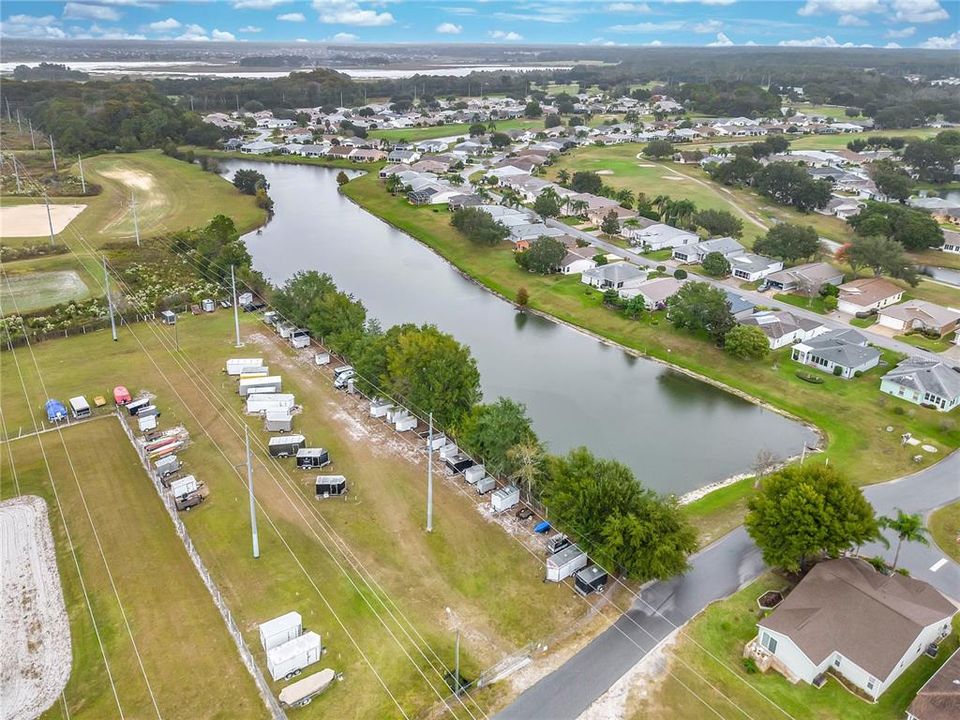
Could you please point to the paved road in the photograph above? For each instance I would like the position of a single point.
(716, 572)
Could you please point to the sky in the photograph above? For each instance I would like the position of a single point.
(811, 23)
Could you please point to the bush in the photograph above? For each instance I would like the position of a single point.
(750, 666)
(680, 274)
(837, 370)
(830, 303)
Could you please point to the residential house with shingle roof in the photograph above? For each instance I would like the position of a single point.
(695, 252)
(924, 382)
(920, 315)
(783, 328)
(939, 698)
(847, 618)
(804, 279)
(866, 295)
(843, 353)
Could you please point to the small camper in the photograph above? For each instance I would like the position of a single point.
(407, 422)
(458, 463)
(79, 407)
(485, 485)
(167, 465)
(590, 580)
(281, 629)
(289, 659)
(184, 486)
(505, 498)
(474, 473)
(56, 412)
(208, 305)
(331, 486)
(285, 445)
(236, 366)
(380, 407)
(121, 396)
(190, 500)
(300, 338)
(321, 358)
(565, 563)
(168, 318)
(277, 421)
(312, 458)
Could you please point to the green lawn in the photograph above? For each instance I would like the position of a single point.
(35, 290)
(853, 414)
(719, 512)
(416, 134)
(815, 304)
(192, 664)
(838, 142)
(471, 565)
(836, 112)
(707, 662)
(863, 322)
(933, 345)
(944, 527)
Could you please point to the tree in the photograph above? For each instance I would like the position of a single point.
(489, 432)
(477, 129)
(891, 179)
(680, 274)
(625, 198)
(746, 342)
(914, 229)
(249, 181)
(697, 306)
(932, 161)
(585, 181)
(804, 512)
(659, 149)
(532, 109)
(719, 223)
(619, 523)
(552, 120)
(791, 185)
(610, 223)
(548, 203)
(563, 177)
(523, 298)
(880, 254)
(716, 265)
(312, 300)
(478, 226)
(738, 172)
(908, 528)
(788, 242)
(634, 307)
(429, 370)
(543, 256)
(528, 462)
(342, 178)
(677, 212)
(500, 140)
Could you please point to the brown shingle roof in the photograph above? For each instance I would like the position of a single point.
(846, 606)
(939, 699)
(866, 291)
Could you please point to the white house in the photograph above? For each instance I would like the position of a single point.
(617, 276)
(659, 237)
(846, 618)
(655, 293)
(751, 267)
(783, 328)
(865, 295)
(924, 382)
(843, 353)
(920, 315)
(578, 260)
(695, 252)
(951, 241)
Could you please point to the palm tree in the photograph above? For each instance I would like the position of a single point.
(527, 458)
(907, 527)
(577, 207)
(563, 177)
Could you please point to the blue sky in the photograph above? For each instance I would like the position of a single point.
(819, 23)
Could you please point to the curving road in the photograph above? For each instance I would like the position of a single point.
(716, 572)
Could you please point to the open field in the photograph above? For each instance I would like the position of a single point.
(837, 112)
(416, 134)
(491, 584)
(853, 414)
(35, 290)
(837, 142)
(711, 649)
(20, 221)
(186, 652)
(944, 527)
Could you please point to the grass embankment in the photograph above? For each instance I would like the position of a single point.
(493, 587)
(944, 527)
(416, 134)
(341, 163)
(192, 664)
(852, 414)
(710, 653)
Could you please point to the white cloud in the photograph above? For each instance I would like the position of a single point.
(344, 37)
(460, 10)
(628, 7)
(301, 40)
(292, 17)
(750, 43)
(892, 46)
(505, 35)
(111, 33)
(825, 41)
(257, 4)
(707, 27)
(654, 43)
(222, 36)
(950, 42)
(193, 32)
(449, 28)
(702, 2)
(41, 21)
(902, 33)
(164, 25)
(840, 7)
(32, 26)
(721, 41)
(851, 21)
(249, 29)
(82, 11)
(349, 12)
(919, 11)
(649, 27)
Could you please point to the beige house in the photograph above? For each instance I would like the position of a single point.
(920, 315)
(865, 295)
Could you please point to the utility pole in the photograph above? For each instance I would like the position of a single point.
(456, 670)
(136, 220)
(106, 285)
(19, 124)
(191, 103)
(16, 172)
(430, 477)
(49, 218)
(253, 506)
(236, 310)
(83, 183)
(7, 100)
(33, 140)
(53, 154)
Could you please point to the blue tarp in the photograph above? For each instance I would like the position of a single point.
(541, 527)
(55, 410)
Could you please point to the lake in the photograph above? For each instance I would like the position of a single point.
(676, 432)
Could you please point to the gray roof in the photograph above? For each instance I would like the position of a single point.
(928, 313)
(617, 272)
(749, 262)
(843, 347)
(848, 607)
(737, 302)
(817, 272)
(777, 324)
(721, 245)
(932, 376)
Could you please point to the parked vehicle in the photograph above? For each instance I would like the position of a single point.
(542, 527)
(270, 317)
(524, 513)
(56, 412)
(236, 366)
(167, 465)
(136, 406)
(121, 396)
(342, 376)
(278, 421)
(281, 629)
(589, 580)
(557, 543)
(289, 659)
(285, 329)
(505, 498)
(270, 381)
(258, 403)
(303, 691)
(168, 318)
(565, 563)
(186, 502)
(207, 305)
(312, 458)
(146, 423)
(285, 445)
(79, 407)
(321, 358)
(331, 486)
(485, 485)
(458, 463)
(300, 338)
(474, 474)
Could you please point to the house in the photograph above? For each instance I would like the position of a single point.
(656, 292)
(431, 146)
(367, 155)
(532, 231)
(403, 156)
(939, 698)
(695, 252)
(924, 382)
(867, 295)
(617, 276)
(920, 315)
(232, 144)
(847, 618)
(388, 170)
(951, 241)
(843, 353)
(943, 210)
(843, 207)
(258, 147)
(598, 215)
(659, 237)
(740, 307)
(804, 279)
(783, 328)
(578, 260)
(751, 267)
(464, 200)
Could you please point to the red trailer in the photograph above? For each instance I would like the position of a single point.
(121, 396)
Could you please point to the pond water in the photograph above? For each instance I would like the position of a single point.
(677, 433)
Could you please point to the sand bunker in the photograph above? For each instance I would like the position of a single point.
(604, 172)
(673, 177)
(645, 165)
(131, 178)
(18, 221)
(35, 653)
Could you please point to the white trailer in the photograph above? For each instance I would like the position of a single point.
(278, 421)
(235, 366)
(303, 691)
(286, 445)
(485, 485)
(289, 659)
(281, 629)
(321, 358)
(245, 299)
(448, 451)
(300, 341)
(208, 305)
(147, 423)
(408, 422)
(270, 317)
(270, 381)
(565, 563)
(474, 474)
(265, 402)
(184, 486)
(167, 465)
(505, 498)
(380, 407)
(285, 329)
(435, 441)
(254, 372)
(79, 407)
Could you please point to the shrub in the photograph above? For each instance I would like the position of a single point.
(750, 666)
(680, 274)
(830, 303)
(837, 370)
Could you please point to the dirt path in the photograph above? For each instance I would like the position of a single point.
(150, 198)
(35, 655)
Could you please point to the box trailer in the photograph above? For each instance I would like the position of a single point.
(341, 379)
(448, 451)
(235, 366)
(254, 372)
(147, 423)
(121, 396)
(505, 498)
(191, 500)
(79, 407)
(485, 485)
(208, 305)
(565, 563)
(136, 406)
(281, 629)
(435, 441)
(245, 299)
(380, 407)
(270, 381)
(405, 423)
(184, 486)
(321, 358)
(303, 691)
(589, 580)
(331, 486)
(168, 318)
(474, 473)
(285, 446)
(289, 659)
(56, 412)
(260, 391)
(300, 341)
(459, 462)
(312, 458)
(148, 411)
(258, 403)
(270, 317)
(285, 329)
(278, 421)
(167, 465)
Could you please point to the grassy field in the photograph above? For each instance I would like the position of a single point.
(710, 651)
(838, 142)
(416, 134)
(852, 414)
(34, 290)
(944, 527)
(493, 586)
(192, 665)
